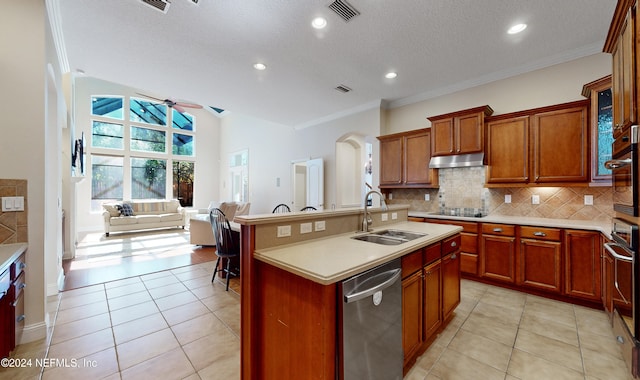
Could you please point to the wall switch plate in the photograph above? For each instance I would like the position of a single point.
(507, 198)
(535, 199)
(390, 195)
(320, 226)
(385, 216)
(394, 215)
(427, 197)
(306, 228)
(588, 200)
(12, 204)
(284, 231)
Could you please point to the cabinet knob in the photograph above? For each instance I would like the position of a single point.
(22, 265)
(20, 318)
(454, 244)
(454, 256)
(22, 286)
(620, 339)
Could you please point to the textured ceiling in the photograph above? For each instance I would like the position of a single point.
(204, 53)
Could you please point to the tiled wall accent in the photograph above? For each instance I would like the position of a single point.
(13, 225)
(463, 188)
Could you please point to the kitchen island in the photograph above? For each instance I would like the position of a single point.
(290, 286)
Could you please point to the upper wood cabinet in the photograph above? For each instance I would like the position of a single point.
(459, 132)
(404, 160)
(540, 146)
(622, 44)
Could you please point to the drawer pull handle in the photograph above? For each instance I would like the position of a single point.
(22, 266)
(20, 318)
(22, 286)
(539, 233)
(497, 229)
(454, 256)
(453, 244)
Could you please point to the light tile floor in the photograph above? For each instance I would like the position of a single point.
(176, 325)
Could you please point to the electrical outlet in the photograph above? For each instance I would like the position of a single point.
(385, 216)
(320, 226)
(535, 199)
(588, 200)
(284, 231)
(427, 197)
(394, 215)
(507, 198)
(306, 228)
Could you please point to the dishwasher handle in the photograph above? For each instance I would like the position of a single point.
(381, 282)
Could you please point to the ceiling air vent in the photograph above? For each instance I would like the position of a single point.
(342, 88)
(343, 9)
(161, 5)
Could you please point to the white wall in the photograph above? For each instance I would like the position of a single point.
(552, 85)
(207, 154)
(23, 39)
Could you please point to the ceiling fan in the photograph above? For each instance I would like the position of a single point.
(177, 105)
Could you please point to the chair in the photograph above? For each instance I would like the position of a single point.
(309, 208)
(281, 208)
(226, 246)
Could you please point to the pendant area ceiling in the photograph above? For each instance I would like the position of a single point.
(204, 51)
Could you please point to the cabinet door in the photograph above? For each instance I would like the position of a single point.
(508, 150)
(539, 265)
(582, 264)
(417, 157)
(411, 315)
(623, 86)
(450, 284)
(391, 161)
(432, 299)
(497, 258)
(560, 146)
(442, 137)
(468, 133)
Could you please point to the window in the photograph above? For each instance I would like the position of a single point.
(107, 106)
(107, 135)
(148, 178)
(106, 179)
(239, 171)
(183, 182)
(143, 111)
(140, 146)
(148, 140)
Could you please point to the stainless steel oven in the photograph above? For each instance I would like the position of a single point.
(624, 168)
(626, 297)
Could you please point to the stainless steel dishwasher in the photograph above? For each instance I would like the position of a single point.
(372, 324)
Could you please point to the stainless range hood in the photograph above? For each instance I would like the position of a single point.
(457, 161)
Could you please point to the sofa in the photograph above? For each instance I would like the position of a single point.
(142, 215)
(200, 232)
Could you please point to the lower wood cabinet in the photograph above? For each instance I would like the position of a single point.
(12, 283)
(433, 305)
(539, 258)
(582, 264)
(498, 252)
(412, 336)
(450, 284)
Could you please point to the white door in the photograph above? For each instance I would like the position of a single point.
(315, 183)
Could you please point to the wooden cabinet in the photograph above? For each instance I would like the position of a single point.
(432, 275)
(582, 264)
(404, 160)
(622, 44)
(412, 336)
(540, 146)
(450, 276)
(539, 258)
(498, 251)
(12, 304)
(459, 132)
(468, 244)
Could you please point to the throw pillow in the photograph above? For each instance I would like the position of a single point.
(126, 210)
(113, 209)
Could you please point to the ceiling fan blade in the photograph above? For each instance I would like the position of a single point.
(188, 105)
(152, 97)
(178, 108)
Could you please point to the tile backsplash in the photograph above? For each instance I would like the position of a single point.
(462, 192)
(13, 225)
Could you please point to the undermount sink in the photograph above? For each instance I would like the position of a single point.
(389, 237)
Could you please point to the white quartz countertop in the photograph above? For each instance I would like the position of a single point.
(593, 225)
(335, 258)
(9, 253)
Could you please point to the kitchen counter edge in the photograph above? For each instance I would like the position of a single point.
(9, 253)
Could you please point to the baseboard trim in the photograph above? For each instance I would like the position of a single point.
(33, 332)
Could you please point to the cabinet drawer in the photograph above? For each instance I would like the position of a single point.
(468, 226)
(498, 229)
(19, 319)
(540, 233)
(469, 242)
(18, 285)
(411, 263)
(451, 244)
(431, 253)
(18, 267)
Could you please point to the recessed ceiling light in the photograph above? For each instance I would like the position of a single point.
(319, 22)
(390, 75)
(517, 28)
(259, 66)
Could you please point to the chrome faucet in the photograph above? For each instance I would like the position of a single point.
(366, 220)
